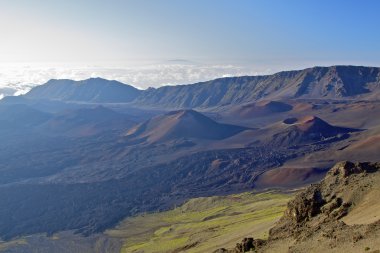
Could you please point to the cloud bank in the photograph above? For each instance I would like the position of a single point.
(19, 78)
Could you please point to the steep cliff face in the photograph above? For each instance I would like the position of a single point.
(319, 82)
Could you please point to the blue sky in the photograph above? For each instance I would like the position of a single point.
(210, 30)
(264, 35)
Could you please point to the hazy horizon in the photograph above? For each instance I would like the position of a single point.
(151, 44)
(20, 78)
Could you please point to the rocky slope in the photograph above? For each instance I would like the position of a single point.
(339, 214)
(319, 82)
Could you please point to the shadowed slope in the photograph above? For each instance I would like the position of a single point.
(91, 90)
(19, 116)
(87, 121)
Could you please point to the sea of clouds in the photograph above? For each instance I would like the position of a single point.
(17, 79)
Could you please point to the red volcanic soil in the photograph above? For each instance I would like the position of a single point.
(300, 107)
(304, 121)
(259, 109)
(307, 123)
(367, 143)
(313, 124)
(182, 124)
(288, 177)
(367, 148)
(306, 129)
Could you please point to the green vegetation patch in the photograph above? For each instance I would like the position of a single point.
(203, 224)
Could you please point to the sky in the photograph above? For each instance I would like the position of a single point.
(153, 43)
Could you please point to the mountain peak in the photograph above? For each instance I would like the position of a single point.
(93, 90)
(313, 123)
(181, 124)
(84, 81)
(306, 129)
(183, 112)
(187, 113)
(307, 122)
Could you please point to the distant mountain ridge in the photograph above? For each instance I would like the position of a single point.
(335, 82)
(318, 82)
(96, 90)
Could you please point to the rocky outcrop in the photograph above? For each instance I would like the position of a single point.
(316, 215)
(246, 245)
(322, 203)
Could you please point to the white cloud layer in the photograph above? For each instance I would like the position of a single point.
(19, 78)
